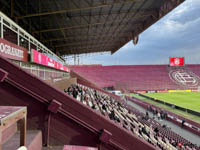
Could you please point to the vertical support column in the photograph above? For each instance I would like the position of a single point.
(44, 73)
(74, 59)
(53, 108)
(2, 27)
(104, 137)
(48, 129)
(23, 126)
(78, 60)
(0, 138)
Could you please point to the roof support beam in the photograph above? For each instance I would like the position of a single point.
(80, 43)
(66, 28)
(127, 21)
(84, 51)
(94, 46)
(75, 9)
(85, 36)
(79, 26)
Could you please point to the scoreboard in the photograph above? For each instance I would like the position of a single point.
(176, 61)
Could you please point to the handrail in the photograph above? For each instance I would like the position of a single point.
(26, 33)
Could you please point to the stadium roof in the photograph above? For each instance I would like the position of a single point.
(86, 26)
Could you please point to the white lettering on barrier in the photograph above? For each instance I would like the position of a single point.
(4, 48)
(50, 64)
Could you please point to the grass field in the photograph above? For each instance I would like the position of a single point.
(179, 112)
(189, 100)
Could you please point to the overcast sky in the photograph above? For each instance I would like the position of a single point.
(176, 34)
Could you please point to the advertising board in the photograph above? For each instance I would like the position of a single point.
(13, 51)
(39, 58)
(176, 61)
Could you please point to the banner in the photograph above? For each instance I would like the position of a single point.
(44, 60)
(151, 92)
(176, 61)
(13, 51)
(162, 91)
(140, 91)
(173, 91)
(195, 90)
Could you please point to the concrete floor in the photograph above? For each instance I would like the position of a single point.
(195, 139)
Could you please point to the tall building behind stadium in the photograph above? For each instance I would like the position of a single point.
(47, 104)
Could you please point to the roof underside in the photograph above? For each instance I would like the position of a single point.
(86, 26)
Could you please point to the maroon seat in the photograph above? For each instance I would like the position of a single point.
(133, 77)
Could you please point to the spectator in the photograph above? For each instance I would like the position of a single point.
(165, 115)
(147, 115)
(162, 114)
(154, 113)
(150, 108)
(182, 123)
(156, 130)
(104, 105)
(179, 145)
(93, 106)
(69, 90)
(112, 115)
(158, 114)
(145, 131)
(164, 126)
(74, 93)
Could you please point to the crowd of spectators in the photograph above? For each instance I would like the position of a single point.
(133, 120)
(160, 114)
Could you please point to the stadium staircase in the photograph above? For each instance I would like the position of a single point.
(11, 140)
(34, 141)
(61, 119)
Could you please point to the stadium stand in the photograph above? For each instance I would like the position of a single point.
(194, 68)
(190, 125)
(87, 117)
(130, 119)
(62, 119)
(119, 123)
(133, 77)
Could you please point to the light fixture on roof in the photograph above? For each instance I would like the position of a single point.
(22, 40)
(68, 17)
(135, 38)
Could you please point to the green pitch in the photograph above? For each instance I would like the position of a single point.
(190, 100)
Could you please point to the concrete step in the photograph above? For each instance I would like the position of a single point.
(34, 141)
(53, 148)
(8, 133)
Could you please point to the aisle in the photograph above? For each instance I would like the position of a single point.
(182, 132)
